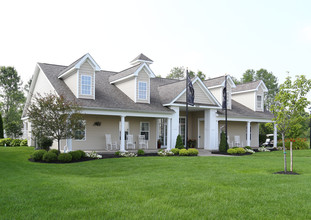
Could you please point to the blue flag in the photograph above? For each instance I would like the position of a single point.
(190, 98)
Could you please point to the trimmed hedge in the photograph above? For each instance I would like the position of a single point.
(55, 151)
(83, 154)
(64, 157)
(24, 143)
(37, 155)
(193, 152)
(5, 141)
(237, 150)
(49, 157)
(140, 152)
(76, 155)
(175, 151)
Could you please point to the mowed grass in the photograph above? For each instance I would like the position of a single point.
(155, 187)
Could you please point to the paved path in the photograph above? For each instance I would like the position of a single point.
(207, 153)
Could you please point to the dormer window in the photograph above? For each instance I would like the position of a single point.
(142, 90)
(86, 85)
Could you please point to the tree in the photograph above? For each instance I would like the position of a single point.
(248, 76)
(53, 116)
(13, 100)
(177, 73)
(27, 85)
(223, 144)
(235, 80)
(288, 106)
(1, 127)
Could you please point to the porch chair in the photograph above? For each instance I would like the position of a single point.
(109, 143)
(130, 142)
(237, 141)
(142, 142)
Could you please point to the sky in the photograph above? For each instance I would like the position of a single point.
(216, 37)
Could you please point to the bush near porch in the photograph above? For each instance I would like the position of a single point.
(145, 188)
(298, 144)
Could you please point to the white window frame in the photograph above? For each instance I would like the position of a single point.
(142, 94)
(148, 131)
(259, 107)
(84, 138)
(83, 92)
(183, 136)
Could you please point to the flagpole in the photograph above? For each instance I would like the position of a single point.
(226, 113)
(186, 135)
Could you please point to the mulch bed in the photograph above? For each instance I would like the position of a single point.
(225, 153)
(287, 173)
(74, 161)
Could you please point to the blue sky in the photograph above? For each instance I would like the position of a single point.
(216, 37)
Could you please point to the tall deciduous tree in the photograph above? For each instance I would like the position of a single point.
(53, 116)
(179, 73)
(289, 104)
(13, 100)
(248, 76)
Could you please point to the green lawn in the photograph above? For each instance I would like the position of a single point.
(155, 187)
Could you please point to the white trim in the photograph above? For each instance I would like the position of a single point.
(255, 102)
(78, 80)
(199, 120)
(94, 85)
(135, 90)
(93, 111)
(196, 106)
(151, 74)
(244, 119)
(87, 57)
(179, 131)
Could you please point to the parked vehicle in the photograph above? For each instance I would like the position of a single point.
(269, 141)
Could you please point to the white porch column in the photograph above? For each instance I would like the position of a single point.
(275, 136)
(122, 144)
(210, 130)
(248, 134)
(174, 126)
(69, 145)
(169, 138)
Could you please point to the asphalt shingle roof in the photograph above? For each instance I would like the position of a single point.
(142, 57)
(124, 73)
(70, 66)
(246, 86)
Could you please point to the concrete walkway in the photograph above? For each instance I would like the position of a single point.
(207, 153)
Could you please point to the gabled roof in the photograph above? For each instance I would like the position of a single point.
(169, 93)
(107, 96)
(250, 86)
(141, 58)
(218, 82)
(241, 111)
(77, 64)
(132, 71)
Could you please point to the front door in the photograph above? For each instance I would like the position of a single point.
(201, 134)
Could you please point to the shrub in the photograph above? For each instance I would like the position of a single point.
(193, 152)
(240, 150)
(263, 149)
(248, 147)
(24, 142)
(179, 143)
(165, 152)
(222, 144)
(83, 154)
(76, 155)
(232, 151)
(183, 152)
(235, 147)
(45, 142)
(37, 155)
(140, 152)
(49, 157)
(249, 151)
(55, 151)
(94, 155)
(298, 144)
(175, 151)
(117, 153)
(64, 157)
(5, 142)
(15, 142)
(128, 154)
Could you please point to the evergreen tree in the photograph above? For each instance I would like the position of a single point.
(222, 144)
(179, 143)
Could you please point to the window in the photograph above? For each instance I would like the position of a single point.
(259, 102)
(163, 131)
(182, 129)
(144, 129)
(80, 130)
(142, 90)
(86, 85)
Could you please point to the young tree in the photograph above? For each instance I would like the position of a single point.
(288, 105)
(13, 99)
(1, 127)
(53, 116)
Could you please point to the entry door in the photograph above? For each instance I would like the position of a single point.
(201, 134)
